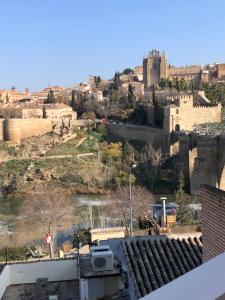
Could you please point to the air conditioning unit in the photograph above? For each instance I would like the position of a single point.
(101, 258)
(99, 248)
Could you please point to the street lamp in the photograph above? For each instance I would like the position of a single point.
(131, 204)
(164, 210)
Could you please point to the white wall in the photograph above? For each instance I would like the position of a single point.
(54, 270)
(4, 280)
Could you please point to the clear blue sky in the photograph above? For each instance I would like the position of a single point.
(61, 42)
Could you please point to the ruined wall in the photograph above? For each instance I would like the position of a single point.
(14, 130)
(150, 135)
(213, 222)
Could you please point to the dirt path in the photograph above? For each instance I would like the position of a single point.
(81, 141)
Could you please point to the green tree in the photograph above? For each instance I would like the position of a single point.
(163, 83)
(183, 200)
(114, 97)
(116, 81)
(183, 84)
(215, 93)
(177, 85)
(128, 71)
(128, 153)
(44, 112)
(50, 98)
(131, 97)
(98, 80)
(73, 102)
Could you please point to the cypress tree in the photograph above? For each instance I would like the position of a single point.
(183, 200)
(7, 98)
(98, 80)
(116, 81)
(47, 101)
(73, 102)
(52, 99)
(131, 97)
(44, 113)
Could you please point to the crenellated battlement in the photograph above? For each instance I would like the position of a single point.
(185, 96)
(218, 106)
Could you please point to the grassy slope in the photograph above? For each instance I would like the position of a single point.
(64, 171)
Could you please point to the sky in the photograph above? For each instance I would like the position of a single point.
(61, 42)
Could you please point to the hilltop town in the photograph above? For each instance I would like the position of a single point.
(150, 142)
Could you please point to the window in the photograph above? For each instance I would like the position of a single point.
(177, 111)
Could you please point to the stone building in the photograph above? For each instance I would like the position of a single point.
(138, 72)
(11, 96)
(188, 73)
(180, 114)
(138, 87)
(56, 111)
(183, 115)
(155, 67)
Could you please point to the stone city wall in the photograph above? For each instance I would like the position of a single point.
(204, 114)
(13, 130)
(157, 137)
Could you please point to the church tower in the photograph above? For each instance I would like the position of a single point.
(154, 68)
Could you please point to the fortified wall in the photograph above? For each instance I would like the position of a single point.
(157, 137)
(13, 130)
(183, 115)
(206, 114)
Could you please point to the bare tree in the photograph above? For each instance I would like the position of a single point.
(47, 210)
(86, 216)
(153, 159)
(119, 207)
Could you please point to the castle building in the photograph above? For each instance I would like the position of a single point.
(182, 115)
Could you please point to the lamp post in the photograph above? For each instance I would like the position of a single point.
(164, 210)
(131, 204)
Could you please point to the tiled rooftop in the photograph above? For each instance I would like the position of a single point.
(156, 261)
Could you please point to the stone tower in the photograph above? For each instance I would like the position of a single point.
(154, 68)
